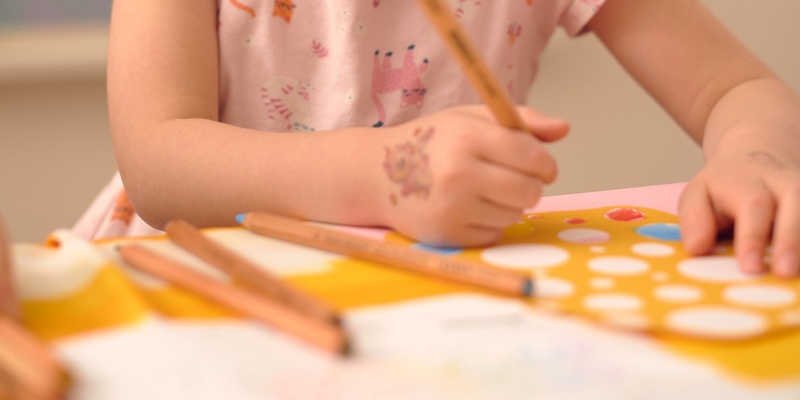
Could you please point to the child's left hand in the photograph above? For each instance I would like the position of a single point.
(746, 118)
(760, 192)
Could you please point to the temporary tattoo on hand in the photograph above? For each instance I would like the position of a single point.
(407, 164)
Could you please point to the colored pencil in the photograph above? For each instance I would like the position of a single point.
(494, 95)
(27, 368)
(250, 275)
(464, 271)
(8, 299)
(272, 313)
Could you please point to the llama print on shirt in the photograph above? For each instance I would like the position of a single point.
(465, 10)
(514, 30)
(244, 7)
(405, 79)
(318, 49)
(123, 209)
(287, 105)
(284, 9)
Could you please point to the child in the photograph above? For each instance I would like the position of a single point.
(354, 112)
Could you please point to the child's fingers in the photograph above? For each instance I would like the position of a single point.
(470, 222)
(508, 188)
(543, 127)
(752, 230)
(520, 153)
(697, 219)
(786, 238)
(546, 128)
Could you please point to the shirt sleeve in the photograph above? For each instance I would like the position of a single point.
(578, 14)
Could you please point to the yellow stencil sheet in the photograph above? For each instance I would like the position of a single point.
(618, 265)
(625, 266)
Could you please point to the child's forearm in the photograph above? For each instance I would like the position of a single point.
(757, 116)
(206, 172)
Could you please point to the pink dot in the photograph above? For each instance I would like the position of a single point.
(574, 221)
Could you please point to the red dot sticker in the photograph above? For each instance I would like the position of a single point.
(624, 214)
(574, 221)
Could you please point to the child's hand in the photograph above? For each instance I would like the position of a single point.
(458, 178)
(752, 190)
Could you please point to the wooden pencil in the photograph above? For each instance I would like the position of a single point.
(247, 273)
(27, 368)
(494, 95)
(8, 298)
(464, 271)
(323, 335)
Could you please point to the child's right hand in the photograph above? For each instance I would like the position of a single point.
(457, 178)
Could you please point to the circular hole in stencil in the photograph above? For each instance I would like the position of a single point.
(660, 231)
(625, 214)
(659, 276)
(524, 256)
(716, 322)
(720, 269)
(612, 302)
(553, 288)
(446, 251)
(601, 283)
(628, 320)
(597, 249)
(584, 236)
(678, 293)
(651, 249)
(790, 318)
(765, 296)
(618, 265)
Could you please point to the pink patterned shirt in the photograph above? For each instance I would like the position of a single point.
(319, 65)
(311, 65)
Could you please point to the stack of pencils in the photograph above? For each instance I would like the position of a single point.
(260, 295)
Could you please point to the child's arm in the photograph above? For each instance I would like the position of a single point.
(747, 120)
(470, 177)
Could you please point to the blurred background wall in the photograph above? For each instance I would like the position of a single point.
(55, 148)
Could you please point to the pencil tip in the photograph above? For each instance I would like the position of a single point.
(347, 348)
(240, 218)
(527, 288)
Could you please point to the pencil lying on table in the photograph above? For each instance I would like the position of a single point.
(494, 95)
(247, 273)
(8, 297)
(27, 368)
(277, 315)
(463, 271)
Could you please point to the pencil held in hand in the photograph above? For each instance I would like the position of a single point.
(465, 52)
(463, 271)
(279, 316)
(254, 278)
